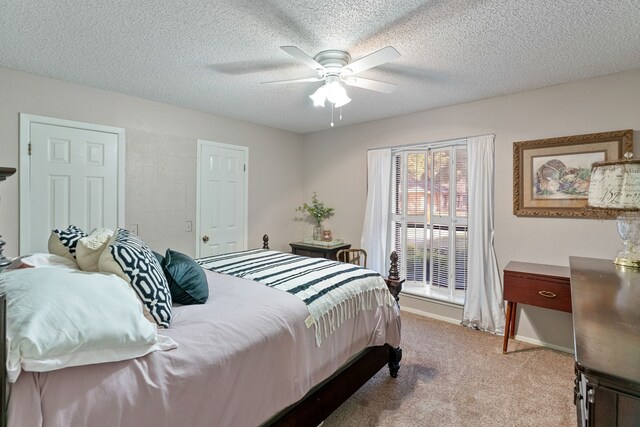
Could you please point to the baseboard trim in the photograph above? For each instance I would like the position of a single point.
(517, 337)
(431, 315)
(544, 344)
(407, 294)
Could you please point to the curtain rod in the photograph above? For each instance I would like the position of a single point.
(431, 143)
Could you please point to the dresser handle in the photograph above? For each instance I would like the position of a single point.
(547, 294)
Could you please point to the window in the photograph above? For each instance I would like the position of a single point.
(429, 219)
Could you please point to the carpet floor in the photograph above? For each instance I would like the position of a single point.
(451, 375)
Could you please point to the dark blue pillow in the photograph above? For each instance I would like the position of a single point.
(187, 281)
(159, 257)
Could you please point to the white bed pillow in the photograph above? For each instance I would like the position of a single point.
(42, 260)
(58, 318)
(89, 249)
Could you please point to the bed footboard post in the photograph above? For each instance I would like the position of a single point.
(393, 279)
(394, 283)
(395, 356)
(265, 242)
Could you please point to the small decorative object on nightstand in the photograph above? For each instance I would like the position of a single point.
(316, 213)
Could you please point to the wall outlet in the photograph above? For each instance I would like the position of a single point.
(189, 226)
(133, 228)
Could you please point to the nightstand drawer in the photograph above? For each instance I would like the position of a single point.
(310, 254)
(553, 294)
(316, 251)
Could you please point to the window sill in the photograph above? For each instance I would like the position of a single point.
(433, 295)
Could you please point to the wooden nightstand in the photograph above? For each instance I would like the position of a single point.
(542, 285)
(317, 251)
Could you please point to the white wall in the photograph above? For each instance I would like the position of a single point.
(160, 159)
(336, 159)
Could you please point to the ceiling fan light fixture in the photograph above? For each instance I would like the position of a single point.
(343, 100)
(336, 93)
(335, 68)
(319, 96)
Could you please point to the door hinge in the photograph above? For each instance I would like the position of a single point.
(245, 167)
(29, 149)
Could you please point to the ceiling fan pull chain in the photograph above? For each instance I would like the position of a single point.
(331, 114)
(340, 113)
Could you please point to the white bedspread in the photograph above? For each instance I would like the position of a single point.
(333, 291)
(242, 357)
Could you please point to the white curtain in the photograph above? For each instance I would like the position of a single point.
(376, 218)
(484, 307)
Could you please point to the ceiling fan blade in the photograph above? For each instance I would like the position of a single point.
(370, 84)
(378, 57)
(310, 79)
(298, 54)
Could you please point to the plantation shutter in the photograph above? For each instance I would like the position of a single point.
(429, 218)
(397, 207)
(461, 215)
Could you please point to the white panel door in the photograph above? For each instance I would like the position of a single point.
(222, 199)
(73, 180)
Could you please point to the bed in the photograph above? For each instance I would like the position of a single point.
(248, 356)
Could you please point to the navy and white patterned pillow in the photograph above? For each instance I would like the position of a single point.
(144, 273)
(70, 237)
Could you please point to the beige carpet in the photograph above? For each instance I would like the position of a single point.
(451, 375)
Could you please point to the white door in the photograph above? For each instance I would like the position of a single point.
(221, 220)
(72, 179)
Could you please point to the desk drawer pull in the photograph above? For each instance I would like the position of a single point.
(547, 294)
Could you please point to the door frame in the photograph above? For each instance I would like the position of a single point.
(204, 142)
(25, 167)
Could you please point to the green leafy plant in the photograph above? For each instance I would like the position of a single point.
(316, 212)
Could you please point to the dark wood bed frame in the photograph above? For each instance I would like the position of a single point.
(320, 402)
(325, 398)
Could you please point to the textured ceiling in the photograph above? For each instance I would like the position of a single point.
(212, 55)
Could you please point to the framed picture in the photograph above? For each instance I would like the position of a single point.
(551, 176)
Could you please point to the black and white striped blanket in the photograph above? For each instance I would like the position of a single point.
(333, 291)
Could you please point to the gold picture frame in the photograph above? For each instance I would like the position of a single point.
(551, 176)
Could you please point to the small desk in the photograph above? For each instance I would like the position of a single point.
(317, 251)
(542, 285)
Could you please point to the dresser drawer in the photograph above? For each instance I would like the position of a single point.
(553, 294)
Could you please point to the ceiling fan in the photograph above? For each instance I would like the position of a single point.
(334, 67)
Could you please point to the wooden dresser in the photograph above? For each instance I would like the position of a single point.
(606, 325)
(541, 285)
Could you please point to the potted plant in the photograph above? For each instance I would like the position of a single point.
(315, 213)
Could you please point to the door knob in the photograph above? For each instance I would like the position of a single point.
(205, 238)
